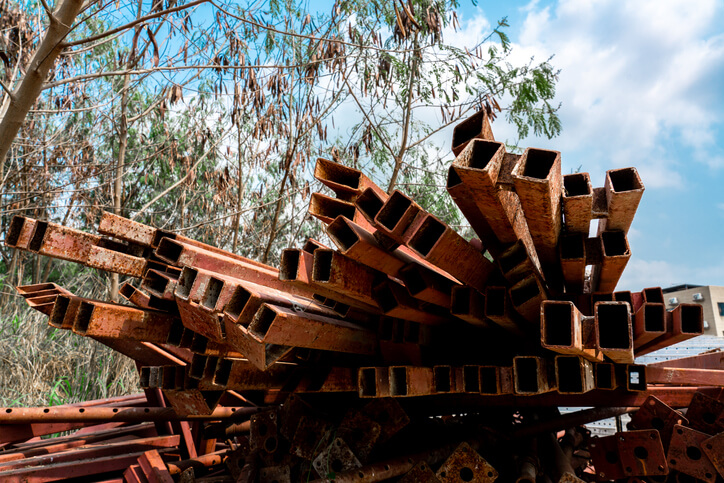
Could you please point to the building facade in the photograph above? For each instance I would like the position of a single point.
(710, 297)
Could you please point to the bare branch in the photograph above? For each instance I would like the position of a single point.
(134, 23)
(7, 90)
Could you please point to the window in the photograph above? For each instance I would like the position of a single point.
(721, 308)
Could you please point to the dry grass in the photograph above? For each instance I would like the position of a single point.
(41, 365)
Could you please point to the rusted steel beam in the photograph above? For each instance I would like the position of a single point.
(126, 229)
(407, 381)
(110, 321)
(538, 183)
(476, 126)
(683, 322)
(92, 414)
(62, 242)
(624, 189)
(204, 461)
(154, 467)
(566, 331)
(649, 323)
(374, 382)
(440, 245)
(463, 198)
(72, 469)
(706, 360)
(161, 284)
(499, 309)
(427, 285)
(398, 218)
(615, 255)
(469, 305)
(347, 183)
(116, 262)
(573, 261)
(515, 263)
(679, 376)
(533, 375)
(614, 331)
(395, 301)
(41, 289)
(20, 232)
(344, 275)
(281, 326)
(96, 450)
(181, 253)
(258, 353)
(577, 202)
(574, 374)
(527, 296)
(326, 209)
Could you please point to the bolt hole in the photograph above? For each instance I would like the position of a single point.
(115, 410)
(657, 423)
(612, 457)
(337, 465)
(466, 474)
(708, 417)
(641, 453)
(693, 453)
(46, 411)
(81, 410)
(680, 431)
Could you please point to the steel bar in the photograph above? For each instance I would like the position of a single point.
(116, 262)
(326, 209)
(678, 376)
(707, 360)
(347, 183)
(527, 296)
(624, 189)
(577, 202)
(126, 229)
(499, 309)
(442, 246)
(398, 217)
(94, 414)
(97, 319)
(20, 232)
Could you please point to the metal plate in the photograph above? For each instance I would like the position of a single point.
(685, 454)
(360, 432)
(714, 449)
(420, 473)
(337, 457)
(642, 453)
(655, 414)
(704, 414)
(278, 474)
(263, 435)
(605, 458)
(388, 414)
(311, 437)
(466, 465)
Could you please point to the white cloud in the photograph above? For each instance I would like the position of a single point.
(641, 273)
(634, 76)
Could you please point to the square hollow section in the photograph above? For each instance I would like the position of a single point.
(614, 326)
(524, 292)
(169, 249)
(186, 281)
(482, 153)
(624, 179)
(614, 243)
(289, 264)
(342, 234)
(654, 318)
(37, 241)
(393, 209)
(489, 380)
(211, 295)
(468, 129)
(569, 374)
(471, 378)
(538, 163)
(573, 247)
(526, 375)
(605, 376)
(13, 234)
(413, 279)
(513, 258)
(322, 269)
(460, 303)
(495, 301)
(369, 203)
(237, 302)
(692, 319)
(368, 382)
(577, 184)
(427, 236)
(398, 381)
(558, 321)
(262, 321)
(442, 377)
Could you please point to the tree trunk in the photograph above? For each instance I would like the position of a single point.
(32, 84)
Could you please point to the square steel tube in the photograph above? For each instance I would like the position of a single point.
(683, 322)
(476, 126)
(574, 375)
(615, 255)
(409, 381)
(624, 190)
(566, 331)
(374, 382)
(532, 375)
(577, 202)
(398, 217)
(347, 183)
(649, 323)
(614, 331)
(573, 261)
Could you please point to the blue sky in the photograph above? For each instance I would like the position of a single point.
(641, 84)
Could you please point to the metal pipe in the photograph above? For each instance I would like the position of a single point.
(29, 415)
(577, 202)
(624, 189)
(347, 183)
(614, 332)
(476, 126)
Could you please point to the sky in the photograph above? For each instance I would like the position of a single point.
(641, 84)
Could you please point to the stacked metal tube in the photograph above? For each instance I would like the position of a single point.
(525, 315)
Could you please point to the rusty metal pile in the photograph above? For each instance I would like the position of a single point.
(406, 353)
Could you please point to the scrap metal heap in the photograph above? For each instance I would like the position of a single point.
(407, 353)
